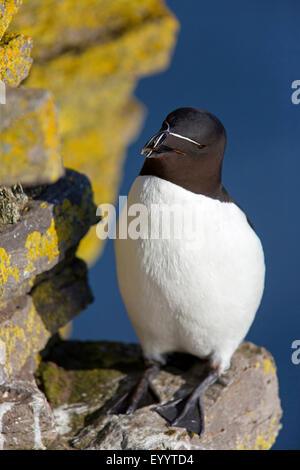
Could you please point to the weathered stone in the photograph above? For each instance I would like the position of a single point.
(30, 146)
(90, 55)
(26, 419)
(27, 323)
(51, 225)
(15, 60)
(7, 9)
(15, 49)
(99, 80)
(80, 379)
(61, 25)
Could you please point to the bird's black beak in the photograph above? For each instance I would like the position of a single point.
(153, 144)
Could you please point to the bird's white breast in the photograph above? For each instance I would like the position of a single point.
(196, 294)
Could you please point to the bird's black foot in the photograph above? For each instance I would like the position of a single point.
(187, 411)
(143, 394)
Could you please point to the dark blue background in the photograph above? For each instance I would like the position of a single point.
(237, 60)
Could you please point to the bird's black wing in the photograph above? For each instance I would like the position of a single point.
(224, 196)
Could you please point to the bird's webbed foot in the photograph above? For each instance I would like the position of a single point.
(187, 410)
(142, 394)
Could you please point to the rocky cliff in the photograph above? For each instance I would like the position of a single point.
(75, 110)
(90, 55)
(80, 379)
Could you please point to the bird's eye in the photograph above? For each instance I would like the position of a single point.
(165, 126)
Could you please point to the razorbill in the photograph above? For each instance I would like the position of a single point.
(199, 294)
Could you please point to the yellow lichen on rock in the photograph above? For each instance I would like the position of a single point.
(264, 439)
(138, 52)
(61, 230)
(29, 136)
(98, 83)
(90, 55)
(269, 367)
(39, 245)
(15, 60)
(7, 9)
(15, 49)
(6, 269)
(264, 442)
(58, 25)
(29, 321)
(44, 234)
(24, 335)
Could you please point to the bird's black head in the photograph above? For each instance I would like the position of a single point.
(188, 150)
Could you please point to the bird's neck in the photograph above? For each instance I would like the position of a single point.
(200, 177)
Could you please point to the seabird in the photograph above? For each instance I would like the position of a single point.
(196, 295)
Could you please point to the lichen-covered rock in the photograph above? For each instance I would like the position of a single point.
(65, 24)
(26, 419)
(95, 86)
(27, 323)
(81, 379)
(15, 49)
(90, 55)
(7, 9)
(30, 146)
(53, 223)
(15, 60)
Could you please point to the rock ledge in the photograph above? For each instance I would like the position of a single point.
(80, 379)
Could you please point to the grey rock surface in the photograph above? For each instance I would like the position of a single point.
(53, 222)
(26, 419)
(27, 322)
(81, 380)
(30, 145)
